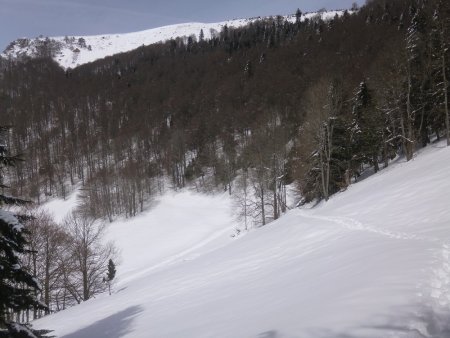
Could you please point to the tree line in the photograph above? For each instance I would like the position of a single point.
(46, 267)
(307, 101)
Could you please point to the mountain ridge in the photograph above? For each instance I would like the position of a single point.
(74, 51)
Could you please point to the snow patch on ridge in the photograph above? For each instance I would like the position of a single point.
(73, 51)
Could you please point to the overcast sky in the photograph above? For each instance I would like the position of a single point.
(31, 18)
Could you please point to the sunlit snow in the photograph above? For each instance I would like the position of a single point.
(371, 262)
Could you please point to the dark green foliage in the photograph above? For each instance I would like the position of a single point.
(14, 330)
(111, 271)
(366, 130)
(298, 15)
(342, 155)
(17, 286)
(110, 275)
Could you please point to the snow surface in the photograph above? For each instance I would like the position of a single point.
(60, 208)
(70, 53)
(371, 262)
(9, 218)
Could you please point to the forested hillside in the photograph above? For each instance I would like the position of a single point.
(309, 102)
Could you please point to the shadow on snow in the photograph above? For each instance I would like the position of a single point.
(424, 323)
(114, 326)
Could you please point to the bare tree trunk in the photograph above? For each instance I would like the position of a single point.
(410, 122)
(47, 280)
(325, 158)
(322, 175)
(328, 148)
(275, 199)
(262, 199)
(85, 281)
(245, 187)
(375, 163)
(34, 274)
(444, 78)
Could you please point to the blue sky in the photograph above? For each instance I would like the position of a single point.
(30, 18)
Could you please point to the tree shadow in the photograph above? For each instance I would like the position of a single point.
(434, 324)
(423, 322)
(114, 326)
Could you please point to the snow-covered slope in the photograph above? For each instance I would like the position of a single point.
(73, 51)
(371, 262)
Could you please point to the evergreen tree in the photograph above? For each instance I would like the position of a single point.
(415, 93)
(110, 274)
(366, 130)
(298, 16)
(441, 47)
(318, 179)
(17, 286)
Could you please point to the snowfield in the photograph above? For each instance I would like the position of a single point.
(371, 262)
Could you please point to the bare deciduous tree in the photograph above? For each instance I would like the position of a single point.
(48, 244)
(90, 256)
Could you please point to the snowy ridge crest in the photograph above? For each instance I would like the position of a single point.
(74, 51)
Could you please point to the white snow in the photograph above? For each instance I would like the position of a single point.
(60, 208)
(9, 218)
(70, 53)
(171, 232)
(371, 262)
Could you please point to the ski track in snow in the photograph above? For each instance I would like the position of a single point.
(439, 282)
(353, 224)
(183, 255)
(436, 300)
